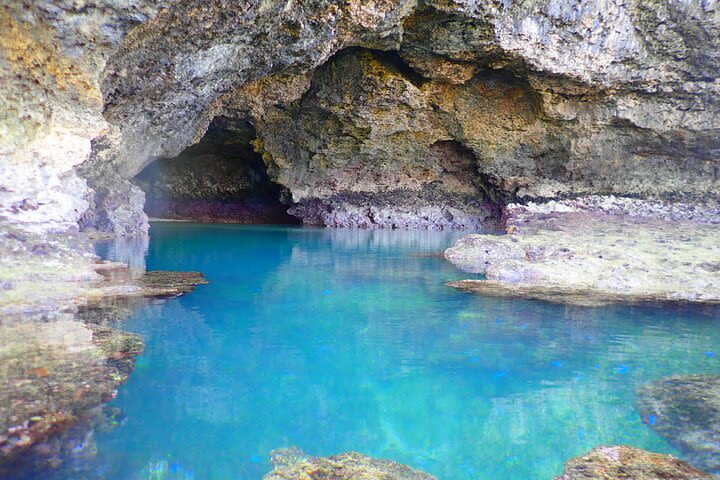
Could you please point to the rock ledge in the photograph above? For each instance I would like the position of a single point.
(596, 251)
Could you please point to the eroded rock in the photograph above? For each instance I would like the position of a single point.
(369, 146)
(620, 462)
(541, 101)
(548, 100)
(221, 179)
(52, 56)
(685, 410)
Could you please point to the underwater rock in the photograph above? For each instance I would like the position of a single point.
(287, 457)
(71, 451)
(595, 251)
(623, 462)
(346, 466)
(52, 372)
(57, 365)
(58, 359)
(685, 410)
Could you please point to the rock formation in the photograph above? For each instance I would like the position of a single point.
(616, 462)
(58, 358)
(81, 365)
(601, 463)
(595, 251)
(379, 113)
(685, 410)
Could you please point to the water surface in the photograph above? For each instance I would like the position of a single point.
(337, 340)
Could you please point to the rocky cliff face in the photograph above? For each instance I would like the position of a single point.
(52, 56)
(377, 113)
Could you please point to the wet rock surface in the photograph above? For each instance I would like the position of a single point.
(596, 251)
(685, 410)
(52, 372)
(56, 366)
(72, 277)
(62, 263)
(59, 358)
(619, 462)
(292, 464)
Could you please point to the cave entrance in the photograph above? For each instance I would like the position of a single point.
(221, 179)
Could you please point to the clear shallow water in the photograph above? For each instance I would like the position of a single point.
(337, 340)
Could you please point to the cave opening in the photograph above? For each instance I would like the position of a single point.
(220, 179)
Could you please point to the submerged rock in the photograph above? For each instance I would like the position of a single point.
(52, 372)
(346, 466)
(685, 410)
(623, 462)
(56, 366)
(595, 251)
(58, 358)
(287, 457)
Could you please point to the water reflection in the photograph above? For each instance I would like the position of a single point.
(128, 250)
(336, 340)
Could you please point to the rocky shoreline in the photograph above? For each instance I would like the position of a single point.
(597, 250)
(371, 114)
(59, 358)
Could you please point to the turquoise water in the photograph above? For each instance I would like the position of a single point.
(337, 340)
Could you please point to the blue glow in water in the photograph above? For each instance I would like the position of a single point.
(334, 340)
